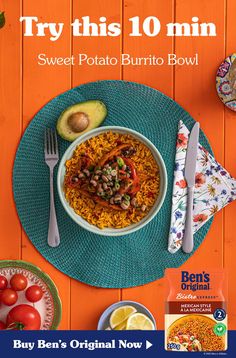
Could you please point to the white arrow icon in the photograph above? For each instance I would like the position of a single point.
(148, 344)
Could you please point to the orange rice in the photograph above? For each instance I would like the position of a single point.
(200, 327)
(147, 171)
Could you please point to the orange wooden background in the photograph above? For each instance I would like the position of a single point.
(25, 87)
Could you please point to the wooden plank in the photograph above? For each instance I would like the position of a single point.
(10, 126)
(230, 160)
(97, 46)
(40, 84)
(195, 91)
(195, 85)
(159, 77)
(87, 303)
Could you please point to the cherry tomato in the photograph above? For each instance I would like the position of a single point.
(23, 317)
(34, 293)
(2, 326)
(9, 297)
(3, 282)
(18, 282)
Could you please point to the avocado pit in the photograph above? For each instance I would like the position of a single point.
(78, 122)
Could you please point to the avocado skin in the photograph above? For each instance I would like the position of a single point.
(96, 111)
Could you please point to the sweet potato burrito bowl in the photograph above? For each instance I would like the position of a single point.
(112, 181)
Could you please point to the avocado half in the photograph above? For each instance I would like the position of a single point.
(81, 118)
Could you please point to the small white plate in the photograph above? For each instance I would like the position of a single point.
(103, 322)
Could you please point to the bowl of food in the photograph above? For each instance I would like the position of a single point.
(112, 181)
(126, 315)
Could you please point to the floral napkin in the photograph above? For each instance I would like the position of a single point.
(214, 189)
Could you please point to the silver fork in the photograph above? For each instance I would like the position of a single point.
(51, 159)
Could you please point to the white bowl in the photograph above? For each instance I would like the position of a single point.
(104, 323)
(111, 231)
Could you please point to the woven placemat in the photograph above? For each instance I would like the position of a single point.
(124, 261)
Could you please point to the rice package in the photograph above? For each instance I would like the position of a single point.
(196, 311)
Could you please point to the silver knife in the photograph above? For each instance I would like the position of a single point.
(189, 172)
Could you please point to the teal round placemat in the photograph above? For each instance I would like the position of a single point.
(123, 261)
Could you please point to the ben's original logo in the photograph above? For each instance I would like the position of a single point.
(195, 281)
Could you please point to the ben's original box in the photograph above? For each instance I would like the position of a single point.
(196, 312)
